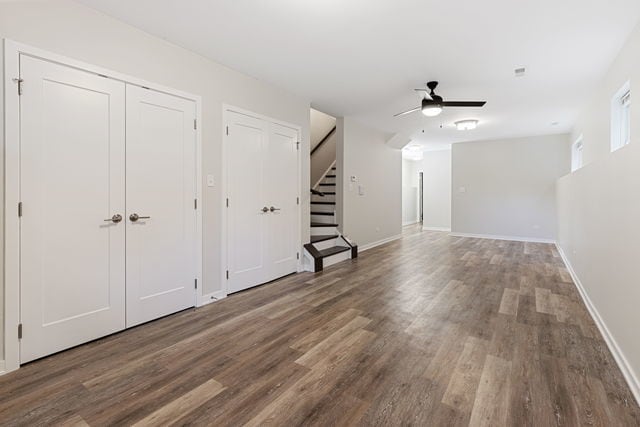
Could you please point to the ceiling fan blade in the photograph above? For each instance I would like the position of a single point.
(407, 112)
(463, 103)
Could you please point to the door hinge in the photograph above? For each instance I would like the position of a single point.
(297, 255)
(297, 200)
(227, 130)
(227, 202)
(297, 145)
(227, 274)
(19, 209)
(19, 331)
(195, 124)
(196, 283)
(19, 81)
(195, 203)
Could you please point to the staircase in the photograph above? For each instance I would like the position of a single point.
(327, 245)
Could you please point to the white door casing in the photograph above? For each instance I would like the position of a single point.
(262, 172)
(72, 180)
(161, 185)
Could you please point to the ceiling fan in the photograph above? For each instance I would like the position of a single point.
(432, 104)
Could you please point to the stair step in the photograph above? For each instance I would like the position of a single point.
(334, 250)
(333, 168)
(330, 193)
(322, 224)
(323, 203)
(323, 213)
(327, 184)
(330, 176)
(323, 237)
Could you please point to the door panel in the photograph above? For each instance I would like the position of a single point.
(246, 145)
(161, 184)
(262, 172)
(281, 180)
(72, 179)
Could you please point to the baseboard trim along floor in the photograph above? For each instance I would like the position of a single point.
(498, 237)
(378, 243)
(618, 355)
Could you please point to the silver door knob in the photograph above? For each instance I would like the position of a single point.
(115, 219)
(265, 209)
(272, 209)
(134, 217)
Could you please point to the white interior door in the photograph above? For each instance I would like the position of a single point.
(161, 191)
(72, 146)
(246, 235)
(282, 182)
(262, 186)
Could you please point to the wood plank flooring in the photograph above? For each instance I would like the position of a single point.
(428, 330)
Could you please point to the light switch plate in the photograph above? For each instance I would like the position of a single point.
(211, 181)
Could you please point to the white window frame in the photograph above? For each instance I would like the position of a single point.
(577, 153)
(621, 118)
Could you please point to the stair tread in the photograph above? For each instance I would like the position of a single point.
(330, 176)
(322, 224)
(323, 213)
(331, 193)
(322, 203)
(325, 184)
(322, 238)
(333, 250)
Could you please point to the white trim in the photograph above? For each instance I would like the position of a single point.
(408, 223)
(212, 297)
(378, 243)
(2, 370)
(224, 258)
(618, 355)
(498, 237)
(426, 228)
(12, 52)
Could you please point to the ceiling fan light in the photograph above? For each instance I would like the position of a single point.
(432, 111)
(466, 124)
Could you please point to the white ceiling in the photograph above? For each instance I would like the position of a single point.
(362, 58)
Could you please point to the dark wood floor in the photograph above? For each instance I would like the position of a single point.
(427, 330)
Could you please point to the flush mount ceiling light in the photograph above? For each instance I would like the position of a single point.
(466, 124)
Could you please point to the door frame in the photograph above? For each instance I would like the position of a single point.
(12, 52)
(224, 253)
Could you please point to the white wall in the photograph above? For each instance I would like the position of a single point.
(410, 188)
(436, 166)
(599, 212)
(66, 28)
(376, 215)
(509, 186)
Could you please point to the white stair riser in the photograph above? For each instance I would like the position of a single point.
(326, 198)
(334, 259)
(325, 219)
(320, 231)
(328, 244)
(323, 208)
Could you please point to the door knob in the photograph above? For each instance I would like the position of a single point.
(265, 209)
(134, 217)
(115, 219)
(272, 209)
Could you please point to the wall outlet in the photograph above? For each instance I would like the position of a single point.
(211, 181)
(353, 178)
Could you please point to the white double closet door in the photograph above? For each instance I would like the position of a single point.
(263, 194)
(94, 153)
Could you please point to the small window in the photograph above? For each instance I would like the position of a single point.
(621, 118)
(576, 155)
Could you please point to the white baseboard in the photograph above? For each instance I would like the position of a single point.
(618, 355)
(497, 237)
(2, 370)
(378, 243)
(425, 228)
(212, 297)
